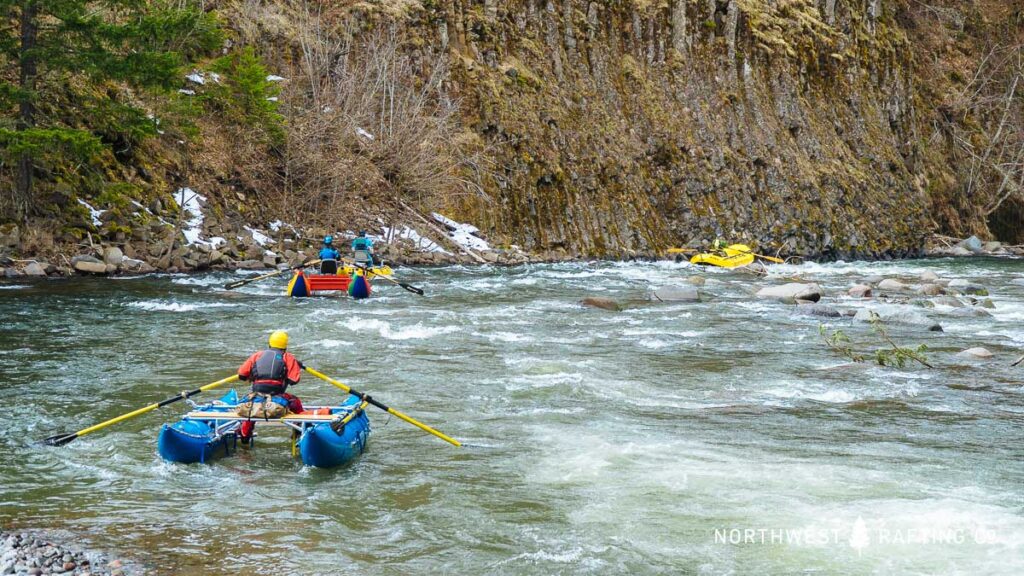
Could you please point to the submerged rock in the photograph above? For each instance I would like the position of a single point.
(948, 301)
(675, 294)
(696, 280)
(929, 276)
(966, 287)
(931, 290)
(603, 303)
(873, 280)
(791, 292)
(815, 309)
(896, 314)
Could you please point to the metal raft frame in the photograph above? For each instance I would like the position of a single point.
(227, 422)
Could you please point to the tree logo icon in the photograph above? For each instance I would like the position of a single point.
(859, 539)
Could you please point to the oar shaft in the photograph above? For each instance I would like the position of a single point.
(382, 406)
(154, 406)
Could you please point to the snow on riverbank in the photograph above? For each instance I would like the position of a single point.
(93, 213)
(422, 244)
(464, 235)
(191, 202)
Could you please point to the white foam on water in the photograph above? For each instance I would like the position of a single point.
(329, 344)
(167, 306)
(503, 336)
(525, 281)
(415, 332)
(13, 286)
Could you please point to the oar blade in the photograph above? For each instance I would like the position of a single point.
(411, 288)
(59, 439)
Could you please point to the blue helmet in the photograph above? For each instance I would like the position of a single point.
(328, 239)
(362, 233)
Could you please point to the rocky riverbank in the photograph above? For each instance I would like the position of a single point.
(36, 553)
(161, 247)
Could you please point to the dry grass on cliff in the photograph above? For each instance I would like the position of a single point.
(369, 123)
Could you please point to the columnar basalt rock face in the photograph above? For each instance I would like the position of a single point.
(629, 127)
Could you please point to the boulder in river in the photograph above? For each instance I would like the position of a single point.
(929, 276)
(860, 291)
(987, 303)
(675, 294)
(696, 280)
(603, 303)
(931, 290)
(894, 285)
(815, 309)
(791, 292)
(948, 301)
(977, 352)
(896, 314)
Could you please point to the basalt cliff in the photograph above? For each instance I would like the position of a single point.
(824, 128)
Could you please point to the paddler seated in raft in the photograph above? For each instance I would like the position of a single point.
(362, 250)
(271, 372)
(329, 256)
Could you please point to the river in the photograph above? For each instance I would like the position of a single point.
(715, 438)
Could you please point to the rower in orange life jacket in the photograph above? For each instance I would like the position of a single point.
(271, 371)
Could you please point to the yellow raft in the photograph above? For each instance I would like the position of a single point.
(348, 270)
(729, 257)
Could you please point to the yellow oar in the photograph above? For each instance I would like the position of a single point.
(768, 258)
(62, 439)
(392, 411)
(680, 250)
(237, 283)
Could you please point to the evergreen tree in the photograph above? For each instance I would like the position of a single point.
(49, 48)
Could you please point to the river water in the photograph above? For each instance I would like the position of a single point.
(714, 438)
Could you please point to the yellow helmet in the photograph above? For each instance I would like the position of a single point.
(279, 339)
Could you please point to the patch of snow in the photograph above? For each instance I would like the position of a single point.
(260, 238)
(272, 98)
(275, 78)
(364, 134)
(327, 109)
(464, 235)
(422, 244)
(141, 207)
(191, 202)
(93, 213)
(276, 226)
(187, 92)
(215, 77)
(196, 77)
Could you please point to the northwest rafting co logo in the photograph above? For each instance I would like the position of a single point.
(857, 536)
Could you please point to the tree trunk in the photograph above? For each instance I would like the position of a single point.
(26, 108)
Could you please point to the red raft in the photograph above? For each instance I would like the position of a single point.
(356, 284)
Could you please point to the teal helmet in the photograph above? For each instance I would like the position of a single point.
(328, 240)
